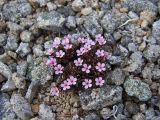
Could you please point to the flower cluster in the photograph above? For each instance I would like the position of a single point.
(78, 65)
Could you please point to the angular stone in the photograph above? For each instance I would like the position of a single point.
(3, 39)
(6, 112)
(45, 112)
(156, 30)
(41, 73)
(26, 36)
(140, 5)
(14, 10)
(92, 116)
(50, 21)
(19, 81)
(21, 107)
(22, 68)
(113, 19)
(32, 90)
(138, 89)
(23, 49)
(100, 97)
(92, 26)
(152, 53)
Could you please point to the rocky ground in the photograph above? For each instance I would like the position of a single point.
(131, 28)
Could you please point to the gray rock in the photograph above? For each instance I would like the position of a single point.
(21, 107)
(19, 81)
(139, 6)
(117, 76)
(14, 27)
(92, 116)
(138, 89)
(92, 26)
(149, 114)
(77, 5)
(100, 97)
(132, 47)
(152, 53)
(71, 22)
(50, 21)
(38, 50)
(147, 71)
(156, 73)
(135, 63)
(45, 112)
(121, 117)
(14, 10)
(12, 42)
(6, 112)
(41, 73)
(22, 68)
(159, 6)
(3, 39)
(86, 11)
(113, 19)
(32, 91)
(23, 49)
(156, 30)
(8, 86)
(115, 60)
(139, 116)
(26, 36)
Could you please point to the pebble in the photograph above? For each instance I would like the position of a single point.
(45, 112)
(19, 81)
(77, 5)
(137, 88)
(26, 36)
(3, 39)
(101, 97)
(21, 107)
(86, 11)
(23, 49)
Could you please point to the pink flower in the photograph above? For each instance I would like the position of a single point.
(90, 42)
(54, 91)
(50, 51)
(51, 61)
(58, 69)
(72, 80)
(60, 54)
(100, 39)
(87, 47)
(80, 52)
(78, 62)
(86, 68)
(56, 42)
(87, 83)
(65, 41)
(82, 40)
(99, 81)
(107, 55)
(65, 85)
(100, 53)
(68, 46)
(100, 67)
